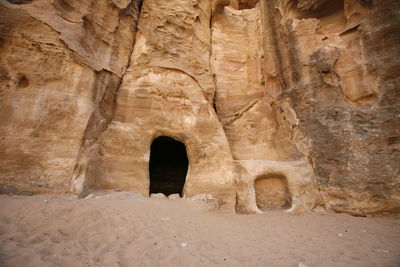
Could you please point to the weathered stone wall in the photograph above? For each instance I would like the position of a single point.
(259, 144)
(331, 69)
(168, 90)
(302, 92)
(60, 65)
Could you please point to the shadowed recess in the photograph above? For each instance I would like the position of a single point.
(272, 192)
(20, 2)
(168, 166)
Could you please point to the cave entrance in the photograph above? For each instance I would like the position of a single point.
(168, 166)
(272, 192)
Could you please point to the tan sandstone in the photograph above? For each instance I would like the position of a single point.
(288, 104)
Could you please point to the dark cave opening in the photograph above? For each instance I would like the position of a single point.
(168, 166)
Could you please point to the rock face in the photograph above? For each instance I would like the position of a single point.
(60, 65)
(281, 103)
(330, 67)
(246, 111)
(166, 92)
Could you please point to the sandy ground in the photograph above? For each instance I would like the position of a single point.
(124, 229)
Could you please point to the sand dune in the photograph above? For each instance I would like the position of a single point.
(124, 229)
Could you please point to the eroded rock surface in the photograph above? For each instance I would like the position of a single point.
(327, 63)
(60, 65)
(167, 91)
(302, 92)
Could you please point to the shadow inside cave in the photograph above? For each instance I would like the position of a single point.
(168, 166)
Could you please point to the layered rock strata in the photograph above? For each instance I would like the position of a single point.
(279, 103)
(167, 91)
(60, 65)
(245, 108)
(330, 69)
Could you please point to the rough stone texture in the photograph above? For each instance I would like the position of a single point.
(176, 35)
(166, 91)
(298, 176)
(272, 192)
(305, 92)
(244, 107)
(334, 67)
(158, 195)
(236, 62)
(58, 74)
(243, 4)
(310, 4)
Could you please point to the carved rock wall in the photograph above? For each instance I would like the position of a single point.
(168, 90)
(302, 92)
(259, 144)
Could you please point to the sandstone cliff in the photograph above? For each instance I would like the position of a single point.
(61, 64)
(281, 102)
(330, 68)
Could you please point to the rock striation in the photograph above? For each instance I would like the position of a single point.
(61, 63)
(330, 68)
(280, 104)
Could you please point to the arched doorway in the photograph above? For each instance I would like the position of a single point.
(168, 166)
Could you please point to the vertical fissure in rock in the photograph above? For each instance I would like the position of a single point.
(214, 105)
(104, 108)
